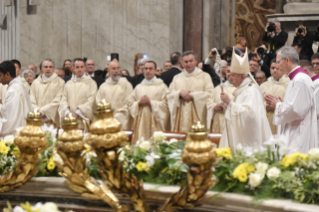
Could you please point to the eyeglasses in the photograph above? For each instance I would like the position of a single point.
(317, 64)
(260, 78)
(253, 65)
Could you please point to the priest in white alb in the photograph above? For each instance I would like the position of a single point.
(190, 96)
(115, 91)
(246, 115)
(16, 102)
(147, 105)
(276, 85)
(296, 115)
(78, 98)
(46, 93)
(17, 65)
(218, 125)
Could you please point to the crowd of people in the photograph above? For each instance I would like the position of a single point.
(247, 96)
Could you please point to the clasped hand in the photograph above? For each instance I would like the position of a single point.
(186, 95)
(271, 102)
(225, 98)
(145, 100)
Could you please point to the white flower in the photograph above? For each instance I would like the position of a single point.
(57, 158)
(18, 209)
(150, 159)
(9, 139)
(122, 155)
(158, 136)
(49, 207)
(18, 130)
(239, 146)
(173, 140)
(146, 145)
(37, 206)
(314, 153)
(255, 179)
(261, 167)
(248, 151)
(273, 173)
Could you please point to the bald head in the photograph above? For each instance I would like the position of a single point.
(90, 66)
(114, 70)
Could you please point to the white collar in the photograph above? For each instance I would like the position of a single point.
(151, 80)
(15, 81)
(45, 79)
(193, 72)
(245, 82)
(294, 69)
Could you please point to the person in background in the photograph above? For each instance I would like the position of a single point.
(60, 72)
(241, 45)
(315, 62)
(125, 72)
(159, 71)
(34, 69)
(136, 65)
(17, 64)
(260, 77)
(167, 65)
(28, 75)
(304, 38)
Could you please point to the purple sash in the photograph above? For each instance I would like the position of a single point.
(314, 78)
(295, 72)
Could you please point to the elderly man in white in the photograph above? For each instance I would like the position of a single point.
(296, 115)
(246, 116)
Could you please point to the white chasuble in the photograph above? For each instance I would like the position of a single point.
(46, 96)
(246, 118)
(3, 88)
(296, 116)
(315, 80)
(277, 89)
(79, 98)
(15, 107)
(185, 114)
(116, 93)
(25, 84)
(149, 118)
(218, 125)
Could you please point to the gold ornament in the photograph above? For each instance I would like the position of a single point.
(105, 138)
(31, 142)
(70, 147)
(200, 156)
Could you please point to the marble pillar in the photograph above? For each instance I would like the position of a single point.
(193, 13)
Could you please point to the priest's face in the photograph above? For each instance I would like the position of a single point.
(315, 63)
(275, 72)
(48, 68)
(189, 63)
(5, 78)
(282, 64)
(79, 68)
(18, 69)
(114, 70)
(149, 70)
(236, 79)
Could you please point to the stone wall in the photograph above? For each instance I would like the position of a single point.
(62, 29)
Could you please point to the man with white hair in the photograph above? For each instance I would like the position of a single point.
(115, 91)
(246, 116)
(46, 93)
(28, 75)
(295, 116)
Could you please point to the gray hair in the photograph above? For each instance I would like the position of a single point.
(189, 53)
(47, 60)
(223, 63)
(261, 72)
(277, 22)
(142, 60)
(289, 52)
(28, 71)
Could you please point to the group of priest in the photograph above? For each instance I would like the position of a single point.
(238, 108)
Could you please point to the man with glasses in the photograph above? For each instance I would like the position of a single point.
(253, 67)
(315, 62)
(295, 115)
(260, 77)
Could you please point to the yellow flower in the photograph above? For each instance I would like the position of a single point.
(241, 171)
(28, 207)
(51, 164)
(224, 152)
(16, 152)
(142, 166)
(3, 148)
(293, 158)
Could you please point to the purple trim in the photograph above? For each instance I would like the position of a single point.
(314, 78)
(295, 72)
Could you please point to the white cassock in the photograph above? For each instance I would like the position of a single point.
(296, 116)
(15, 107)
(315, 80)
(246, 118)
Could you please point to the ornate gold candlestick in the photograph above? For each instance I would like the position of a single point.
(31, 142)
(200, 156)
(70, 147)
(105, 138)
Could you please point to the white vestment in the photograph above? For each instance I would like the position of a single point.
(246, 118)
(15, 107)
(296, 116)
(316, 93)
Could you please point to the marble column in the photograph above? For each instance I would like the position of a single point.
(193, 14)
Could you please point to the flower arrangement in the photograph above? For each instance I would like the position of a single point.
(156, 160)
(27, 207)
(8, 154)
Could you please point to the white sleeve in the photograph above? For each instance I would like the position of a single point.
(81, 115)
(67, 111)
(207, 61)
